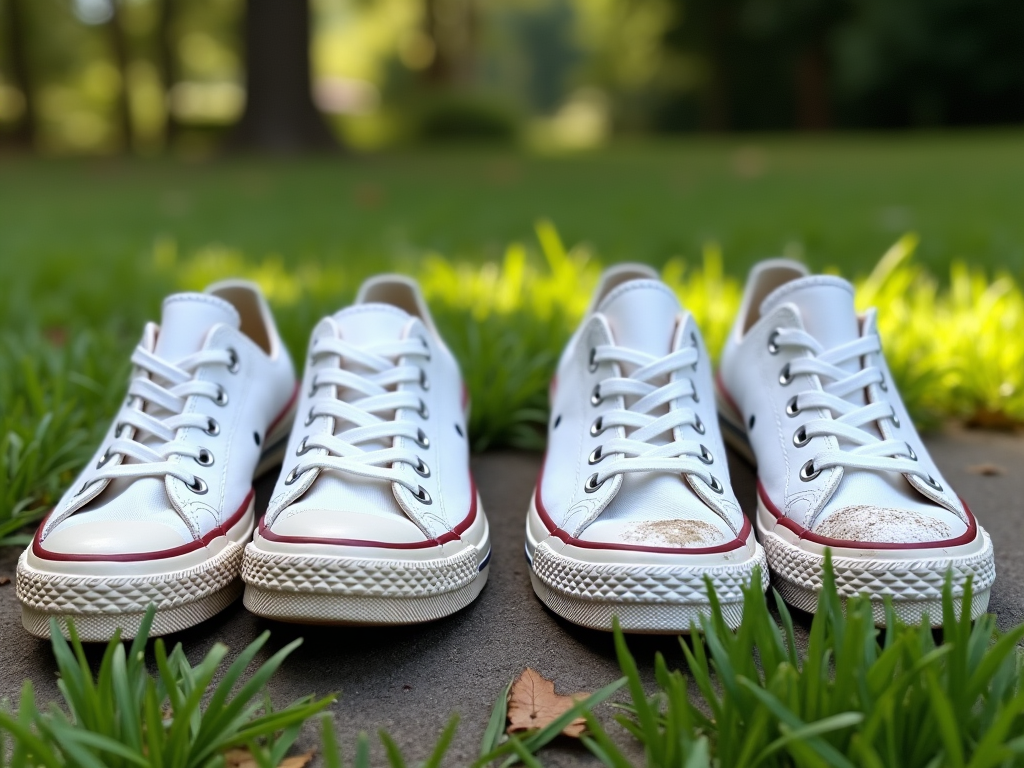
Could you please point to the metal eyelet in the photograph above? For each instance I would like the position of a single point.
(292, 476)
(896, 421)
(235, 365)
(773, 346)
(205, 458)
(121, 426)
(785, 377)
(883, 385)
(423, 411)
(695, 345)
(800, 438)
(422, 440)
(424, 381)
(310, 418)
(698, 425)
(808, 472)
(592, 485)
(595, 396)
(103, 459)
(421, 468)
(791, 407)
(933, 483)
(911, 455)
(458, 429)
(197, 486)
(597, 427)
(222, 396)
(705, 455)
(422, 496)
(716, 485)
(696, 394)
(592, 364)
(301, 448)
(596, 455)
(313, 386)
(426, 346)
(212, 428)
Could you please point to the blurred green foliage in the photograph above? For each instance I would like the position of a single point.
(108, 75)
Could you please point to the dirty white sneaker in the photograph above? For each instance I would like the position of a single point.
(162, 512)
(804, 391)
(634, 508)
(375, 518)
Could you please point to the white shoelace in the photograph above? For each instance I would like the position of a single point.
(342, 452)
(154, 460)
(869, 452)
(635, 453)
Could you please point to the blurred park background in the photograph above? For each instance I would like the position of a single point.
(502, 151)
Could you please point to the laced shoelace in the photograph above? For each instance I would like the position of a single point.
(343, 452)
(134, 423)
(846, 422)
(635, 452)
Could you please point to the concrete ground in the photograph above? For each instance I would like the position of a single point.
(410, 680)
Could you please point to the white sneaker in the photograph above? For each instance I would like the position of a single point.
(162, 512)
(634, 509)
(375, 519)
(839, 463)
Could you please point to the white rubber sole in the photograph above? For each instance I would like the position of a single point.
(320, 584)
(104, 596)
(649, 593)
(912, 579)
(103, 602)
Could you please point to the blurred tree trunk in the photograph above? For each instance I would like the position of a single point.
(119, 45)
(21, 72)
(812, 93)
(168, 62)
(279, 112)
(453, 26)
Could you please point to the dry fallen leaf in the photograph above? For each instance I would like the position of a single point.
(533, 703)
(988, 470)
(242, 758)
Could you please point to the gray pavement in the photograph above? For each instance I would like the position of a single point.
(410, 680)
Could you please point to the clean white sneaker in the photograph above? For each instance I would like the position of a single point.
(162, 512)
(634, 510)
(805, 393)
(375, 519)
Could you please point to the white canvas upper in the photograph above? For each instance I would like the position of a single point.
(836, 451)
(634, 452)
(177, 463)
(379, 451)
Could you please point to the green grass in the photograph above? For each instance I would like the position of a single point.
(854, 696)
(122, 716)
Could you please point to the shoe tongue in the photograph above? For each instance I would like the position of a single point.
(826, 308)
(368, 324)
(642, 315)
(186, 322)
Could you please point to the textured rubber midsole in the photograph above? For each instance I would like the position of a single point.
(363, 610)
(668, 593)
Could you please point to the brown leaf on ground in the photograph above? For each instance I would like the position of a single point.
(242, 758)
(533, 703)
(988, 470)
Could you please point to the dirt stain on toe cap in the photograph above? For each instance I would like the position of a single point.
(674, 533)
(883, 525)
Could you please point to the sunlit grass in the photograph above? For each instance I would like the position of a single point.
(956, 347)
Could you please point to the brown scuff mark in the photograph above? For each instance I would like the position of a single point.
(883, 525)
(674, 533)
